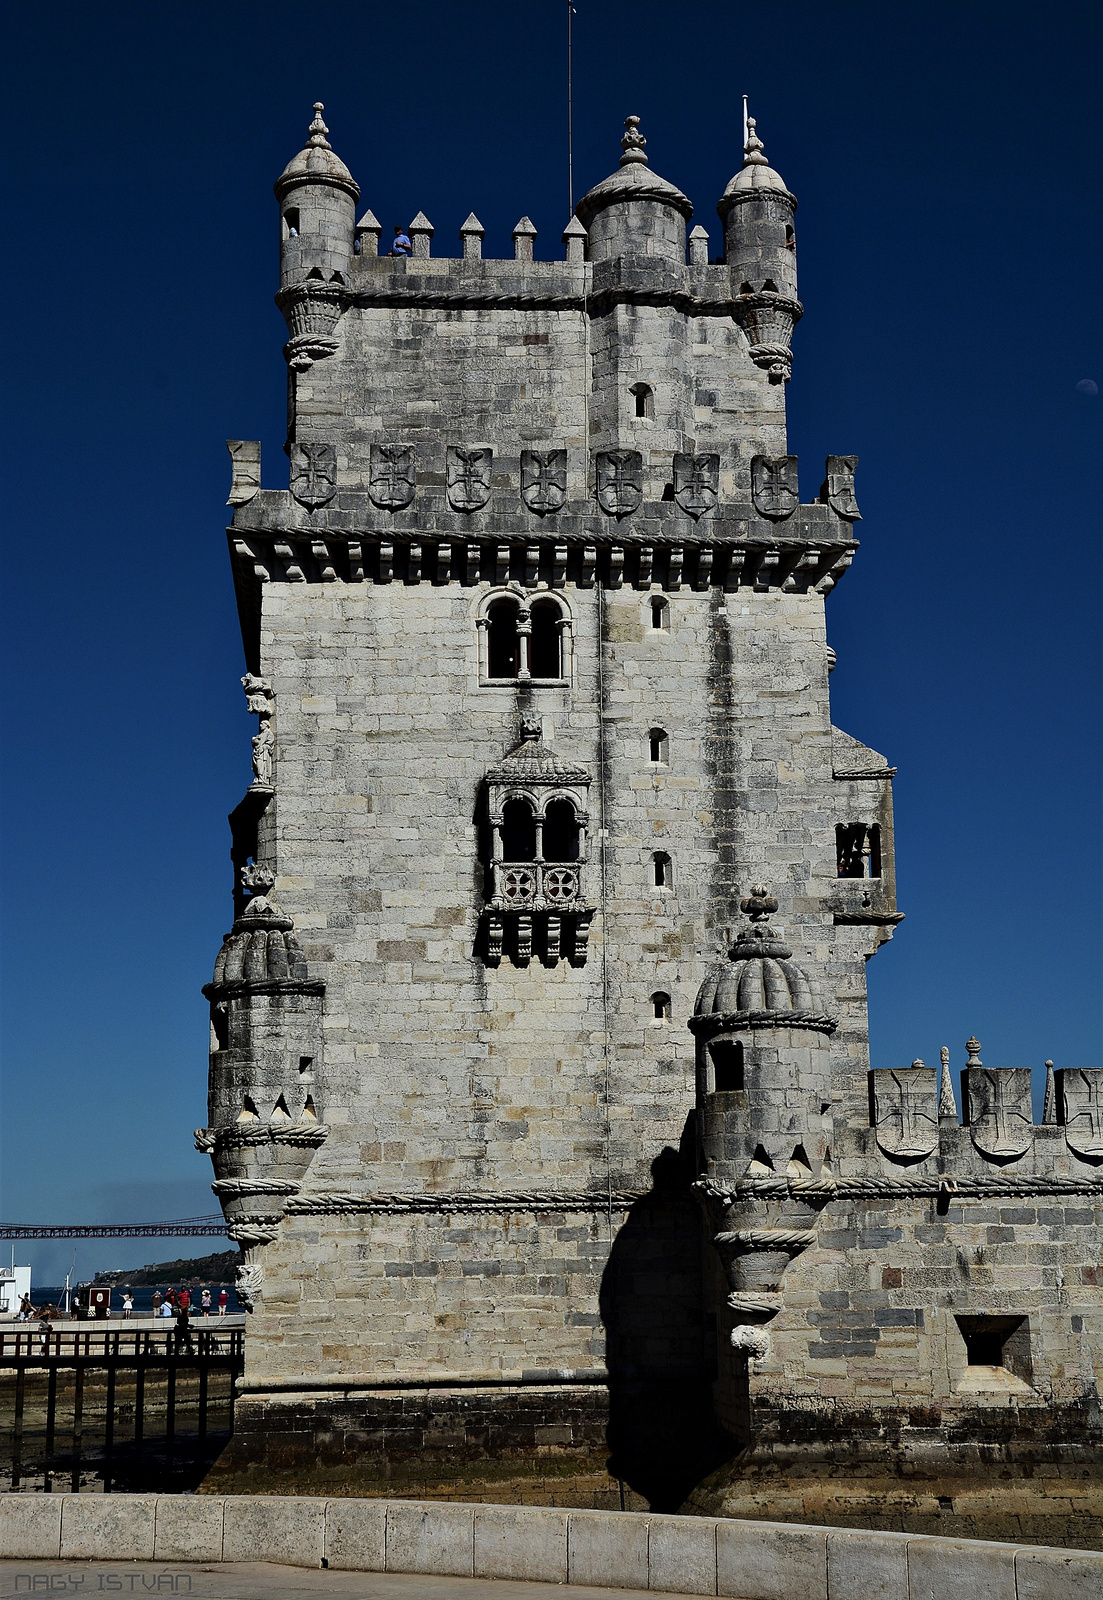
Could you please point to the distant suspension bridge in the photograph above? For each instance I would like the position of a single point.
(183, 1228)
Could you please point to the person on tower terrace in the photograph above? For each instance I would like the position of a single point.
(401, 245)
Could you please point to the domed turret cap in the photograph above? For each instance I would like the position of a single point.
(759, 985)
(261, 947)
(755, 177)
(633, 180)
(317, 163)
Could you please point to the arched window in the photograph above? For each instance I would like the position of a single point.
(659, 746)
(660, 870)
(545, 648)
(560, 832)
(518, 831)
(520, 639)
(644, 397)
(660, 1006)
(660, 613)
(502, 641)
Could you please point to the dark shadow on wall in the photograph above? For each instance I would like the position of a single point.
(661, 1347)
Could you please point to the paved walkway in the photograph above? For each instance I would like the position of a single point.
(258, 1580)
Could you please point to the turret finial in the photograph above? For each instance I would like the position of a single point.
(632, 143)
(947, 1105)
(318, 130)
(1049, 1108)
(972, 1044)
(752, 148)
(758, 905)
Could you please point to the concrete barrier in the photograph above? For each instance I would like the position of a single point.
(606, 1549)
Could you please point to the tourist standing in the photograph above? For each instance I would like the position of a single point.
(128, 1305)
(223, 1302)
(156, 1302)
(205, 1302)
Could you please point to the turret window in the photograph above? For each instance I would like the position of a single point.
(659, 746)
(858, 850)
(790, 237)
(661, 870)
(660, 613)
(519, 640)
(660, 1006)
(291, 223)
(644, 399)
(727, 1066)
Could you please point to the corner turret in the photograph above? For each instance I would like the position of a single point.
(634, 211)
(760, 248)
(317, 196)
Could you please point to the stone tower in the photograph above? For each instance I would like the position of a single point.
(544, 768)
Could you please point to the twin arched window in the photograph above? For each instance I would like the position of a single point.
(524, 640)
(528, 837)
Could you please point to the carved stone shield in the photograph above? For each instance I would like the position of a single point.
(774, 486)
(904, 1107)
(391, 480)
(838, 488)
(696, 484)
(313, 473)
(1081, 1102)
(468, 477)
(997, 1104)
(544, 480)
(245, 455)
(619, 481)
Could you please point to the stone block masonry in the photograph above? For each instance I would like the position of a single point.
(545, 769)
(617, 1550)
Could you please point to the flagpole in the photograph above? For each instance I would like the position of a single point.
(744, 123)
(570, 113)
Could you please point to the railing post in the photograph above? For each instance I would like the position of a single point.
(78, 1425)
(51, 1419)
(17, 1430)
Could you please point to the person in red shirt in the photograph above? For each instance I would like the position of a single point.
(183, 1300)
(223, 1302)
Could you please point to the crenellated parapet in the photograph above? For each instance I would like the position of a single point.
(914, 1116)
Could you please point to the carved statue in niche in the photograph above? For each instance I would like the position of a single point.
(391, 478)
(905, 1111)
(619, 481)
(313, 473)
(838, 487)
(259, 699)
(467, 474)
(696, 483)
(774, 486)
(544, 480)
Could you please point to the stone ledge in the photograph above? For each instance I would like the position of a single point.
(607, 1549)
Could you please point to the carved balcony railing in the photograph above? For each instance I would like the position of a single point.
(537, 886)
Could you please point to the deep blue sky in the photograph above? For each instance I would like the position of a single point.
(946, 161)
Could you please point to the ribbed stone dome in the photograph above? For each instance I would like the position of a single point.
(317, 163)
(755, 176)
(760, 976)
(261, 947)
(634, 212)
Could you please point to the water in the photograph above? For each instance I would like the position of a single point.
(47, 1294)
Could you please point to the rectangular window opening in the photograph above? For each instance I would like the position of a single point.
(997, 1351)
